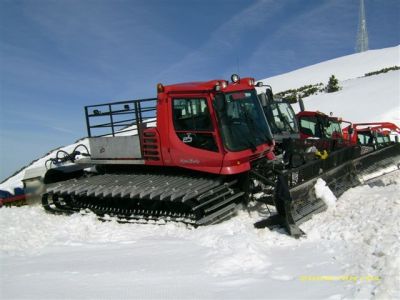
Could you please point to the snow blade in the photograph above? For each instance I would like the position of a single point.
(300, 203)
(284, 216)
(376, 163)
(295, 196)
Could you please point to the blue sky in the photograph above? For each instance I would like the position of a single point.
(57, 56)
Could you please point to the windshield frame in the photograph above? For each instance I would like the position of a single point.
(334, 129)
(282, 114)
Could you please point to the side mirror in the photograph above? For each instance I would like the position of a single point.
(219, 102)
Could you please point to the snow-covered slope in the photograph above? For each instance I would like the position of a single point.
(367, 99)
(361, 99)
(350, 251)
(346, 67)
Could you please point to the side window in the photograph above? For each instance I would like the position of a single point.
(307, 125)
(192, 123)
(288, 115)
(364, 138)
(386, 139)
(277, 118)
(191, 114)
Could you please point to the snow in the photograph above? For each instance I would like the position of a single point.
(344, 68)
(350, 251)
(362, 99)
(323, 192)
(368, 99)
(367, 224)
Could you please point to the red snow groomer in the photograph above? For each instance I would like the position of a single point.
(9, 199)
(332, 135)
(319, 125)
(375, 134)
(195, 154)
(186, 155)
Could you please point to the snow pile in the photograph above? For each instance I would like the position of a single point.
(323, 192)
(349, 252)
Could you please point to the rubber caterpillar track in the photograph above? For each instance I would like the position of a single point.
(144, 197)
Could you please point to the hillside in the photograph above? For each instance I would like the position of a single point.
(350, 251)
(346, 67)
(361, 99)
(367, 99)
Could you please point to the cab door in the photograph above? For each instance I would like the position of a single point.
(193, 138)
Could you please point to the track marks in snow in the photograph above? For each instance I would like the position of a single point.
(360, 237)
(366, 228)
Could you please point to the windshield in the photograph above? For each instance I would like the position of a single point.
(309, 126)
(320, 126)
(242, 121)
(333, 130)
(283, 118)
(381, 138)
(369, 137)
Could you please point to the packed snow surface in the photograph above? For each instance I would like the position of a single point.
(351, 251)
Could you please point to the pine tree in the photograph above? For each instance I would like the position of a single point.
(333, 84)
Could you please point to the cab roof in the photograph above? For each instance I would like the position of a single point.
(209, 86)
(317, 113)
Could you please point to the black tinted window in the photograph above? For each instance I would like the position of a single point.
(191, 114)
(190, 117)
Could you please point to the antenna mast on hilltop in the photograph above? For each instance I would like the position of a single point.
(362, 34)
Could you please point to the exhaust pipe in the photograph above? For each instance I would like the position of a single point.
(301, 103)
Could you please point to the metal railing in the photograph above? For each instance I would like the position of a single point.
(117, 118)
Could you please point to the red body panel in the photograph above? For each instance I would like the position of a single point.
(238, 162)
(173, 152)
(17, 198)
(189, 157)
